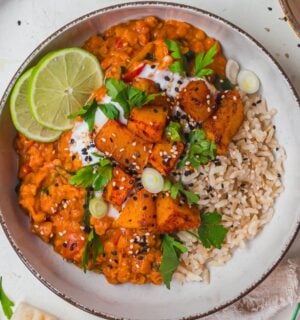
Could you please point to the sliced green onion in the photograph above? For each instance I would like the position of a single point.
(98, 207)
(152, 180)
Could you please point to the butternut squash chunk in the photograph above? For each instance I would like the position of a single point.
(227, 120)
(148, 122)
(116, 141)
(118, 189)
(164, 155)
(172, 216)
(196, 100)
(139, 212)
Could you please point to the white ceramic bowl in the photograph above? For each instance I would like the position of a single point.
(247, 268)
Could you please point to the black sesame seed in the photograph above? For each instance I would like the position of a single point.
(278, 175)
(111, 140)
(277, 148)
(65, 244)
(90, 159)
(258, 102)
(126, 160)
(87, 229)
(176, 89)
(253, 104)
(146, 195)
(179, 82)
(134, 198)
(131, 181)
(86, 158)
(19, 22)
(72, 141)
(114, 252)
(73, 246)
(298, 45)
(270, 8)
(153, 66)
(191, 184)
(167, 78)
(73, 157)
(274, 127)
(145, 208)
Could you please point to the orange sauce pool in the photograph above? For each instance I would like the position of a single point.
(56, 207)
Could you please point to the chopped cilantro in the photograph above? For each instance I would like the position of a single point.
(200, 150)
(180, 63)
(6, 303)
(126, 95)
(95, 175)
(211, 232)
(171, 250)
(173, 131)
(177, 188)
(203, 60)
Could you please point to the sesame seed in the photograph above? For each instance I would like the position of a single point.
(122, 149)
(208, 109)
(103, 139)
(215, 117)
(234, 98)
(134, 143)
(122, 188)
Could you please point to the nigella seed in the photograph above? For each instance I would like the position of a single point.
(176, 89)
(65, 244)
(111, 140)
(86, 158)
(134, 198)
(278, 175)
(126, 160)
(258, 102)
(167, 78)
(153, 66)
(179, 82)
(72, 141)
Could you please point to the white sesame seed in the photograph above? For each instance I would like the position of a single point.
(42, 233)
(123, 179)
(208, 109)
(130, 252)
(134, 143)
(114, 183)
(82, 238)
(215, 117)
(208, 97)
(208, 102)
(103, 139)
(234, 98)
(81, 227)
(122, 149)
(122, 188)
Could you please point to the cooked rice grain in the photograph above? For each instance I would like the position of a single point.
(243, 189)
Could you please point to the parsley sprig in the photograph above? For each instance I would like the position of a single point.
(178, 188)
(127, 96)
(203, 60)
(96, 175)
(6, 303)
(180, 64)
(173, 132)
(211, 233)
(200, 150)
(92, 247)
(88, 112)
(171, 250)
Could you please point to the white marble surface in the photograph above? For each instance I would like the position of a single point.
(40, 18)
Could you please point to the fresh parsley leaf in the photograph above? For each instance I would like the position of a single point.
(191, 197)
(180, 65)
(171, 250)
(87, 113)
(200, 150)
(126, 95)
(173, 131)
(95, 175)
(211, 233)
(203, 60)
(93, 246)
(6, 303)
(110, 111)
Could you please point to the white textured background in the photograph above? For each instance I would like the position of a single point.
(40, 18)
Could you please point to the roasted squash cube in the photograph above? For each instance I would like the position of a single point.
(118, 189)
(139, 212)
(197, 101)
(165, 154)
(148, 122)
(116, 141)
(172, 216)
(226, 122)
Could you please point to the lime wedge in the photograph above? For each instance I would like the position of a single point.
(60, 84)
(21, 114)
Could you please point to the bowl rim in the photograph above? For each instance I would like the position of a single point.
(294, 23)
(59, 31)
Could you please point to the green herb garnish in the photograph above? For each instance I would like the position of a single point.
(200, 150)
(222, 84)
(93, 246)
(178, 188)
(180, 64)
(211, 233)
(86, 212)
(6, 303)
(173, 131)
(126, 95)
(171, 250)
(88, 112)
(203, 60)
(95, 175)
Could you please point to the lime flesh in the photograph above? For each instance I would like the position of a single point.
(60, 84)
(21, 114)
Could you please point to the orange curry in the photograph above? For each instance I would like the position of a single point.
(132, 245)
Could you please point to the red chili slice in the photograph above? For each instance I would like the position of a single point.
(129, 76)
